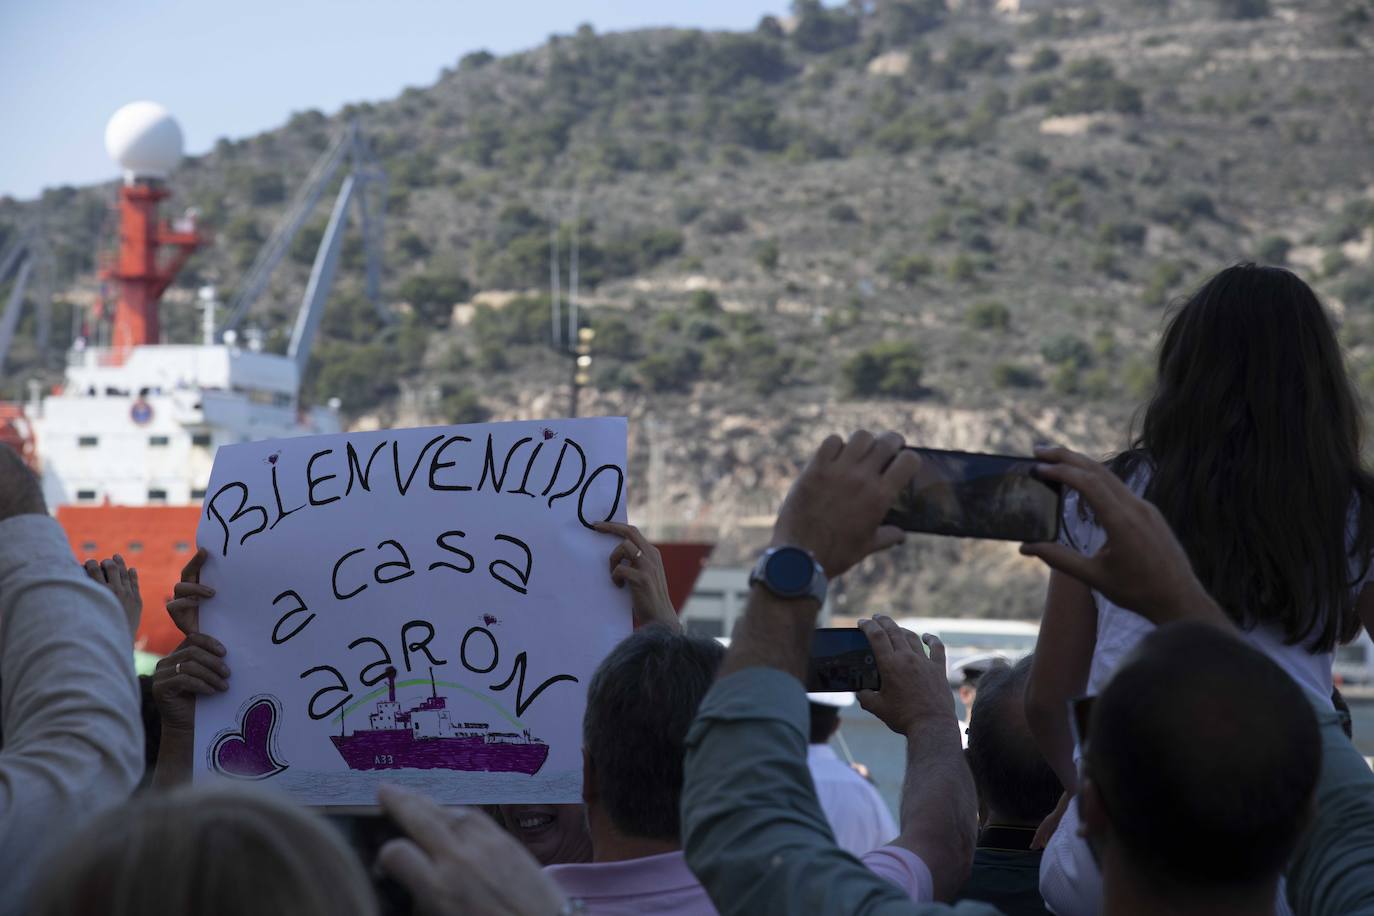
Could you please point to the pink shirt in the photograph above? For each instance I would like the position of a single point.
(663, 883)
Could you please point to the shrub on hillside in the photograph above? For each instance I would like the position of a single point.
(1243, 9)
(670, 368)
(521, 321)
(1013, 375)
(962, 269)
(842, 212)
(460, 405)
(704, 301)
(1163, 284)
(433, 294)
(614, 338)
(988, 315)
(1091, 85)
(1045, 58)
(906, 268)
(724, 222)
(819, 29)
(1273, 249)
(889, 369)
(902, 21)
(1357, 292)
(767, 254)
(1067, 350)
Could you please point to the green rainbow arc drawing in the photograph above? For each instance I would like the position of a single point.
(425, 682)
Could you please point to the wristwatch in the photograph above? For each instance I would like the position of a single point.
(790, 572)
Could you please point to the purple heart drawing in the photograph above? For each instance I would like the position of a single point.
(246, 753)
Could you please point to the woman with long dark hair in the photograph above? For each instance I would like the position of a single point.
(1251, 448)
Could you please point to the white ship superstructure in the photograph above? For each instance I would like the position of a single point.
(141, 427)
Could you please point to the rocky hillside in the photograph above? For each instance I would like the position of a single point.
(963, 223)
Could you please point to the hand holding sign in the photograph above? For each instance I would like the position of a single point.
(425, 604)
(637, 563)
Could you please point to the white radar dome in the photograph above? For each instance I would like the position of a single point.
(144, 139)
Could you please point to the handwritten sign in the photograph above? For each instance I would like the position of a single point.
(420, 606)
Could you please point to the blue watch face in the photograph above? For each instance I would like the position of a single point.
(789, 571)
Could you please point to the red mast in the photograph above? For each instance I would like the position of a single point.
(140, 277)
(146, 141)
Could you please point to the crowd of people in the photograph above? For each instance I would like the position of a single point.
(1172, 745)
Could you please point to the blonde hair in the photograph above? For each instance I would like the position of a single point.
(212, 852)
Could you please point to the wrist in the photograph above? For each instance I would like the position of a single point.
(922, 728)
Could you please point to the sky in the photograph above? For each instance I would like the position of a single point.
(235, 69)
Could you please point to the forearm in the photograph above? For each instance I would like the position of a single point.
(1048, 717)
(1060, 672)
(773, 633)
(1332, 870)
(753, 831)
(69, 711)
(939, 816)
(174, 756)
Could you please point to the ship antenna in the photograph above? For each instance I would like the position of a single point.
(391, 685)
(433, 690)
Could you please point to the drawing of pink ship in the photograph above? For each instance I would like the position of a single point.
(425, 738)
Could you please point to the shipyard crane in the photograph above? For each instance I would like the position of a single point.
(365, 186)
(17, 262)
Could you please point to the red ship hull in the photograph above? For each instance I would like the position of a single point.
(396, 749)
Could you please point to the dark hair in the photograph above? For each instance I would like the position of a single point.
(824, 721)
(640, 703)
(1252, 443)
(1205, 754)
(1012, 776)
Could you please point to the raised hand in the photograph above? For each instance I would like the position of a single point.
(637, 563)
(194, 668)
(836, 507)
(184, 607)
(1142, 566)
(458, 862)
(915, 688)
(122, 580)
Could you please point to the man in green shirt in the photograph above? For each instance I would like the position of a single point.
(754, 833)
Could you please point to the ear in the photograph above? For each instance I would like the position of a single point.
(588, 780)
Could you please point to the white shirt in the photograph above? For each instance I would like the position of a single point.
(857, 813)
(1070, 880)
(1118, 630)
(69, 705)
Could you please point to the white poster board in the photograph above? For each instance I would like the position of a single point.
(420, 606)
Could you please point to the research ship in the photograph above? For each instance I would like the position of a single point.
(426, 737)
(125, 444)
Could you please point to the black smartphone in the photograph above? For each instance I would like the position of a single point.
(964, 494)
(841, 661)
(367, 833)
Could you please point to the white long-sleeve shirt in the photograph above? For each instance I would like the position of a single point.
(857, 813)
(69, 706)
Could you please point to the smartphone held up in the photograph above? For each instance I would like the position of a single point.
(841, 662)
(965, 494)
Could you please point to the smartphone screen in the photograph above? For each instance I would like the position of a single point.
(969, 495)
(841, 661)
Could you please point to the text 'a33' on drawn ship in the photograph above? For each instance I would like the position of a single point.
(425, 737)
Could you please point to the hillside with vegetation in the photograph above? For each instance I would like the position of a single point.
(962, 223)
